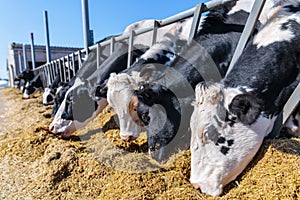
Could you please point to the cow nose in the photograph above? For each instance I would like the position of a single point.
(196, 185)
(127, 138)
(52, 128)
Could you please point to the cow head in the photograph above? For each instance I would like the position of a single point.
(120, 96)
(49, 95)
(32, 87)
(225, 135)
(26, 75)
(76, 110)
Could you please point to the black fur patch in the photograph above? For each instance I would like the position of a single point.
(246, 107)
(230, 142)
(224, 150)
(221, 140)
(292, 8)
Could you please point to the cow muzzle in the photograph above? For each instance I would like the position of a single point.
(128, 138)
(65, 128)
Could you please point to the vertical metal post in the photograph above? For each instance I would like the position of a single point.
(249, 27)
(48, 53)
(112, 45)
(154, 33)
(25, 56)
(130, 47)
(60, 71)
(73, 63)
(86, 27)
(32, 51)
(69, 67)
(196, 20)
(49, 74)
(56, 67)
(64, 69)
(98, 54)
(53, 70)
(20, 61)
(79, 59)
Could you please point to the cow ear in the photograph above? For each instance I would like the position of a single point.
(247, 108)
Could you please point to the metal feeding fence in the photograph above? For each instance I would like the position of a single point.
(67, 66)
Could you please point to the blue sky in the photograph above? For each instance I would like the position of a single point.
(18, 18)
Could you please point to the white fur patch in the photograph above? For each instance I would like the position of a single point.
(247, 5)
(272, 31)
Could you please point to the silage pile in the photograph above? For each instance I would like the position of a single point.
(96, 164)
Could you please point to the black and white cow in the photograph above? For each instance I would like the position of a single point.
(231, 118)
(210, 53)
(24, 77)
(33, 86)
(80, 94)
(60, 95)
(52, 90)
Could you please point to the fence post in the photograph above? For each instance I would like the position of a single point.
(48, 51)
(196, 20)
(112, 45)
(154, 33)
(24, 56)
(130, 47)
(20, 61)
(98, 54)
(86, 27)
(32, 51)
(249, 27)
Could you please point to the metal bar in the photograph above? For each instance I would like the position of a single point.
(86, 26)
(249, 27)
(98, 55)
(154, 33)
(130, 47)
(52, 67)
(32, 51)
(64, 69)
(50, 73)
(79, 59)
(47, 38)
(287, 110)
(112, 45)
(24, 56)
(20, 61)
(69, 68)
(56, 67)
(196, 20)
(46, 76)
(73, 63)
(60, 71)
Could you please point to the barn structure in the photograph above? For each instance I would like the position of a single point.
(18, 60)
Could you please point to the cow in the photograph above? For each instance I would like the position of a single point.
(214, 46)
(33, 86)
(52, 90)
(24, 77)
(231, 118)
(60, 95)
(64, 121)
